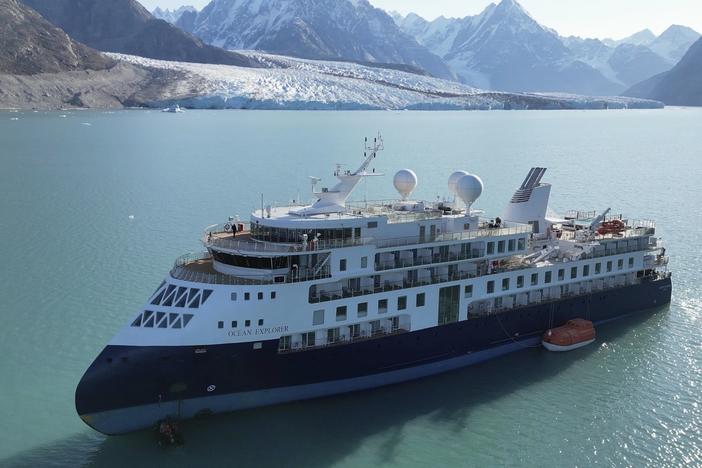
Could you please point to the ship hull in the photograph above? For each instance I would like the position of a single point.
(139, 386)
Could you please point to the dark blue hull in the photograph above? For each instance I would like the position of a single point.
(128, 388)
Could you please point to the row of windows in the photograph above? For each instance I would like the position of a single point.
(247, 296)
(151, 319)
(343, 263)
(180, 296)
(362, 309)
(511, 245)
(235, 323)
(534, 277)
(334, 335)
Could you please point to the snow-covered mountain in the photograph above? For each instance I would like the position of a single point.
(282, 82)
(505, 48)
(337, 29)
(674, 42)
(172, 16)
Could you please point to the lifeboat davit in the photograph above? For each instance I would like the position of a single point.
(574, 334)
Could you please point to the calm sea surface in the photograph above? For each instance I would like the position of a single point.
(94, 207)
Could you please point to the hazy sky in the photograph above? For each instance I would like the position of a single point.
(590, 18)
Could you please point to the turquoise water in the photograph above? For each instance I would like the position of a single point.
(75, 268)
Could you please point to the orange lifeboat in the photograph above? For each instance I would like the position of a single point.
(574, 334)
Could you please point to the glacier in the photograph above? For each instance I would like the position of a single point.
(283, 82)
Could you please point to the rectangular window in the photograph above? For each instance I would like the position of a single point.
(340, 313)
(420, 300)
(547, 277)
(521, 243)
(586, 270)
(505, 284)
(260, 322)
(272, 294)
(364, 262)
(468, 291)
(609, 266)
(220, 324)
(362, 309)
(318, 317)
(308, 339)
(620, 264)
(247, 323)
(500, 246)
(561, 274)
(342, 264)
(598, 268)
(382, 306)
(574, 272)
(490, 248)
(402, 303)
(372, 224)
(511, 244)
(247, 296)
(534, 279)
(631, 262)
(466, 226)
(234, 324)
(284, 343)
(490, 287)
(260, 296)
(233, 296)
(448, 304)
(332, 335)
(357, 233)
(520, 281)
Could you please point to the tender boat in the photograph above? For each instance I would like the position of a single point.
(576, 333)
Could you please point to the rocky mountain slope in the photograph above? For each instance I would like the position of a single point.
(680, 86)
(172, 16)
(31, 45)
(125, 26)
(322, 29)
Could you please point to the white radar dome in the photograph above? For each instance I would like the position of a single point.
(405, 181)
(453, 180)
(468, 188)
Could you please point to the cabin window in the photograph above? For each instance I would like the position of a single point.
(362, 309)
(534, 279)
(284, 343)
(505, 284)
(340, 313)
(260, 322)
(561, 274)
(372, 224)
(247, 323)
(468, 291)
(490, 248)
(402, 303)
(547, 277)
(233, 296)
(631, 262)
(609, 266)
(247, 296)
(510, 245)
(520, 281)
(332, 335)
(234, 324)
(586, 270)
(521, 243)
(364, 262)
(260, 296)
(342, 264)
(598, 268)
(272, 294)
(574, 272)
(318, 317)
(421, 298)
(220, 324)
(382, 306)
(357, 233)
(620, 264)
(500, 246)
(490, 287)
(308, 339)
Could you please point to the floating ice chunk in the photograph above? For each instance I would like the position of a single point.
(131, 216)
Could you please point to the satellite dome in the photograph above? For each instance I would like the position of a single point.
(405, 181)
(453, 180)
(468, 188)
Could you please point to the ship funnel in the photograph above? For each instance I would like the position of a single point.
(529, 203)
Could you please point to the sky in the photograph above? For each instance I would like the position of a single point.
(585, 18)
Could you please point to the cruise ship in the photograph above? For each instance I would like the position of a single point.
(309, 300)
